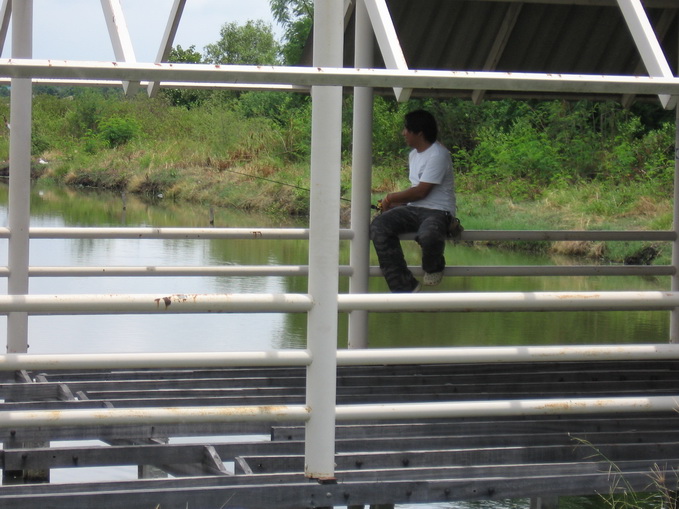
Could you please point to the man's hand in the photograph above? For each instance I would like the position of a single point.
(416, 193)
(384, 204)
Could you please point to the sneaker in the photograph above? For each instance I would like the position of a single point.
(417, 288)
(432, 278)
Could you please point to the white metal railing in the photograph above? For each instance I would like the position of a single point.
(140, 233)
(301, 413)
(301, 303)
(344, 270)
(145, 233)
(359, 357)
(327, 77)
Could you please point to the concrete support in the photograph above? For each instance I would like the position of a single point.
(361, 179)
(326, 134)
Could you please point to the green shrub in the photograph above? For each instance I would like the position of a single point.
(117, 131)
(84, 114)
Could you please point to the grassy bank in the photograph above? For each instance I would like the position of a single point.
(256, 185)
(518, 165)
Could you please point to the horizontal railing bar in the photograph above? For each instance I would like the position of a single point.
(154, 304)
(357, 357)
(548, 270)
(507, 408)
(331, 76)
(97, 417)
(298, 303)
(575, 353)
(157, 360)
(290, 413)
(303, 233)
(510, 301)
(175, 233)
(564, 235)
(222, 270)
(345, 270)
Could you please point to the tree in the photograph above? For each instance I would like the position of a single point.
(296, 17)
(286, 12)
(187, 56)
(250, 44)
(187, 98)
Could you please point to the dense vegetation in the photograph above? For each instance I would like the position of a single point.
(519, 164)
(579, 165)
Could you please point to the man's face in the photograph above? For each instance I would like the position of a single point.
(410, 137)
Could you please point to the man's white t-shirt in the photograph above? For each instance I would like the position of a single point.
(434, 166)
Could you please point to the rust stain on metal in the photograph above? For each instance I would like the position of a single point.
(569, 405)
(166, 300)
(257, 234)
(578, 296)
(586, 352)
(560, 406)
(234, 410)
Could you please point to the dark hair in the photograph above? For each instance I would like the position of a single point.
(421, 121)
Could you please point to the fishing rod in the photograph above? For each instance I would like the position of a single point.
(287, 184)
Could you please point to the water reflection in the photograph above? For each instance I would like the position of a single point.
(132, 333)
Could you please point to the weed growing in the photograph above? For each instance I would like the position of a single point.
(661, 492)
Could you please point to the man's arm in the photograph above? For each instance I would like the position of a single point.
(415, 193)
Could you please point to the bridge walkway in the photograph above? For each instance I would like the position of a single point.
(260, 464)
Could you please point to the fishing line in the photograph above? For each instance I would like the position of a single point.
(275, 182)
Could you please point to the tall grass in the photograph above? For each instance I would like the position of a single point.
(545, 165)
(661, 492)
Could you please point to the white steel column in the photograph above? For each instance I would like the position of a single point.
(168, 39)
(361, 178)
(120, 39)
(326, 132)
(19, 174)
(674, 315)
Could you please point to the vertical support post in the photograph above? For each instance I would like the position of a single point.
(19, 209)
(549, 502)
(326, 134)
(19, 174)
(361, 178)
(674, 316)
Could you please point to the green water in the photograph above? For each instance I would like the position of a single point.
(63, 207)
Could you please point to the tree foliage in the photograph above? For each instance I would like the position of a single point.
(187, 56)
(187, 98)
(296, 18)
(249, 44)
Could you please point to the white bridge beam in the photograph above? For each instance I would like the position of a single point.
(333, 76)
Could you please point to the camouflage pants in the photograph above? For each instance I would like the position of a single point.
(430, 226)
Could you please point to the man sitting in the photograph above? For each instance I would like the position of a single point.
(426, 208)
